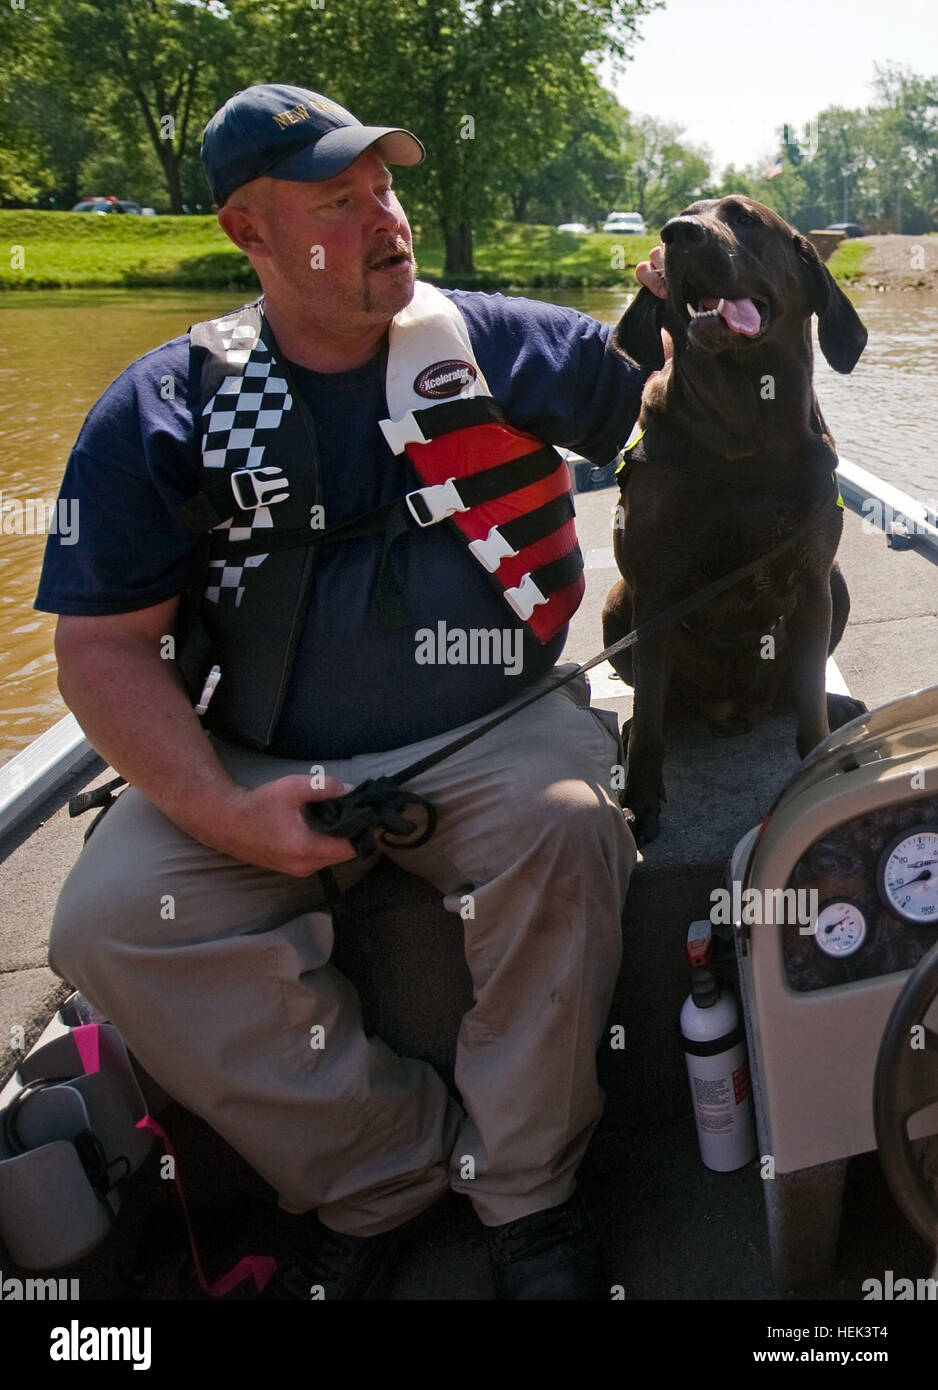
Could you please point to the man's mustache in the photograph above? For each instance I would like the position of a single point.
(398, 247)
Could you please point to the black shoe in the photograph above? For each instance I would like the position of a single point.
(552, 1254)
(337, 1266)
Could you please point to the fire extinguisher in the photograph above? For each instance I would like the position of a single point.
(718, 1070)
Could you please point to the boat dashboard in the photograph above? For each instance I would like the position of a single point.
(871, 884)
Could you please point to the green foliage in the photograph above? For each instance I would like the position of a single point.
(494, 87)
(584, 179)
(860, 165)
(504, 93)
(665, 174)
(24, 158)
(680, 178)
(114, 94)
(146, 64)
(491, 86)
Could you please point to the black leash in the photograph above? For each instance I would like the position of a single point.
(379, 803)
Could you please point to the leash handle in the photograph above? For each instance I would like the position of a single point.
(376, 804)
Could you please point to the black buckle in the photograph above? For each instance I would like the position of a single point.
(100, 796)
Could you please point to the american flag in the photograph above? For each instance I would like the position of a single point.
(773, 169)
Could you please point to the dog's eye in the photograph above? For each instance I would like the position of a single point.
(744, 218)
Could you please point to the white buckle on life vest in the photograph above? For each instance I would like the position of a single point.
(437, 502)
(525, 598)
(491, 551)
(263, 489)
(400, 433)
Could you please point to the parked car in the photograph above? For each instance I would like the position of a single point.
(108, 204)
(848, 228)
(629, 223)
(578, 227)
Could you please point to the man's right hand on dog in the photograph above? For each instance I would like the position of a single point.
(650, 274)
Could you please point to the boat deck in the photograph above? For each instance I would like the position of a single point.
(671, 1228)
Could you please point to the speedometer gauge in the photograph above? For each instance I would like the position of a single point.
(907, 876)
(841, 928)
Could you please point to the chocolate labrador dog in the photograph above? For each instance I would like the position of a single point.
(735, 455)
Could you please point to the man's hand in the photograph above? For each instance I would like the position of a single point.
(266, 827)
(650, 273)
(134, 709)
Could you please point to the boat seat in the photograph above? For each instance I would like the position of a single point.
(403, 952)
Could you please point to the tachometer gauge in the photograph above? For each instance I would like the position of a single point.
(841, 928)
(907, 876)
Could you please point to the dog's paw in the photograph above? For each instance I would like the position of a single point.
(644, 828)
(642, 813)
(842, 708)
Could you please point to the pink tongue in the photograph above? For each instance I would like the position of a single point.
(739, 314)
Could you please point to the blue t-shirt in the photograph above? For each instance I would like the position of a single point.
(356, 686)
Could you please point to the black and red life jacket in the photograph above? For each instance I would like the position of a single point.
(258, 514)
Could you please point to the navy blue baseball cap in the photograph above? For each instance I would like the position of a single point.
(291, 133)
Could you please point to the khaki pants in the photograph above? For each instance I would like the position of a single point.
(218, 973)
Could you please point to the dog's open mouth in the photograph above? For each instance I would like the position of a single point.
(747, 317)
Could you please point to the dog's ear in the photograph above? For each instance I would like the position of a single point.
(637, 335)
(840, 332)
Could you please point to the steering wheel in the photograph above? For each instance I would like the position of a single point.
(906, 1082)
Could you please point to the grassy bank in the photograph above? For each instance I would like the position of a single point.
(61, 250)
(515, 255)
(69, 250)
(847, 263)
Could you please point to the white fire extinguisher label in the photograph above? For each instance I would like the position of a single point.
(713, 1104)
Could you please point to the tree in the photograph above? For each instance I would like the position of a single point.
(905, 139)
(490, 86)
(843, 153)
(145, 64)
(664, 174)
(681, 177)
(586, 177)
(865, 161)
(24, 166)
(809, 191)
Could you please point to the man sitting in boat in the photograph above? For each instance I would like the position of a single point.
(197, 915)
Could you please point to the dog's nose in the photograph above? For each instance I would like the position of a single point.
(683, 231)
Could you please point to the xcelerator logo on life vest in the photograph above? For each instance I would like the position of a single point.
(443, 379)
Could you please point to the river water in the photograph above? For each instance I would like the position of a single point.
(59, 351)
